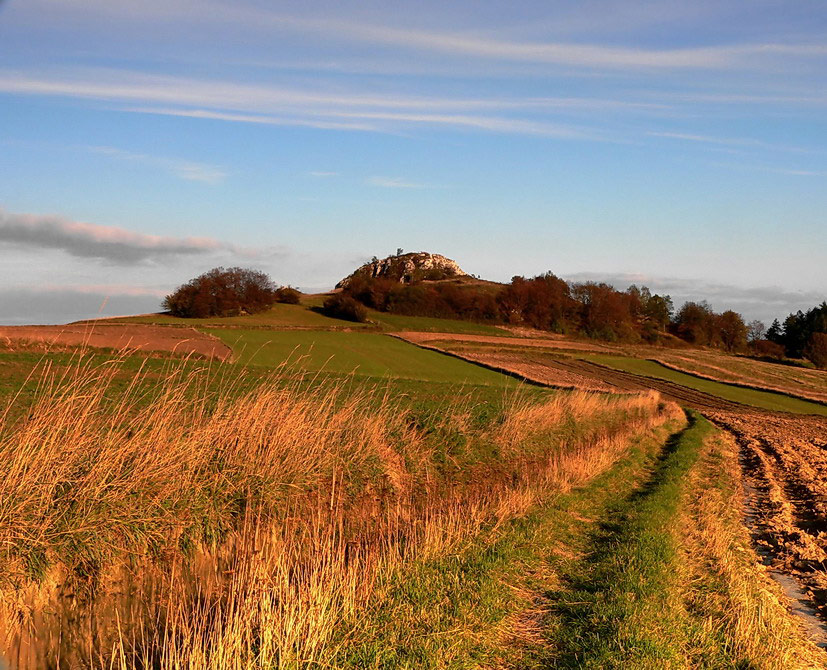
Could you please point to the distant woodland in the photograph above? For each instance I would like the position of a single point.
(545, 302)
(599, 311)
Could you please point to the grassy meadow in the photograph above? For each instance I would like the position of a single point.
(339, 498)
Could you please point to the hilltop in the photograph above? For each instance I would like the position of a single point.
(406, 268)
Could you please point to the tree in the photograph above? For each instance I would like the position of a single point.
(732, 330)
(775, 333)
(288, 295)
(694, 322)
(756, 330)
(816, 350)
(342, 306)
(222, 292)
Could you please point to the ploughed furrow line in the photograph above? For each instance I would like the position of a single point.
(628, 381)
(785, 475)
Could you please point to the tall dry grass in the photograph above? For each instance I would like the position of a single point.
(188, 527)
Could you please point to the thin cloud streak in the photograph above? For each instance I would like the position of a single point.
(109, 243)
(394, 182)
(187, 170)
(482, 46)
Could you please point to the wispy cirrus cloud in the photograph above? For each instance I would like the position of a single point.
(109, 243)
(725, 56)
(183, 169)
(394, 182)
(266, 104)
(487, 44)
(738, 142)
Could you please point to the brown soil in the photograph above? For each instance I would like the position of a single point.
(557, 374)
(784, 459)
(183, 341)
(529, 342)
(574, 373)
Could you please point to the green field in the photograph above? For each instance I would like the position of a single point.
(764, 399)
(307, 315)
(369, 354)
(278, 316)
(426, 324)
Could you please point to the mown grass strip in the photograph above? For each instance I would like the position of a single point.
(479, 607)
(624, 608)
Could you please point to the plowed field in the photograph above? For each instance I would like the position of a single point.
(784, 460)
(184, 341)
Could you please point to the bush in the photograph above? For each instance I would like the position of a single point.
(288, 295)
(767, 349)
(342, 306)
(816, 350)
(222, 292)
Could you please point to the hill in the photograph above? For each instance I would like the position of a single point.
(406, 268)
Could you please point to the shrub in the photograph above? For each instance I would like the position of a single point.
(222, 292)
(816, 350)
(767, 349)
(342, 306)
(288, 295)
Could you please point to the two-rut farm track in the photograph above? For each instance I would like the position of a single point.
(783, 458)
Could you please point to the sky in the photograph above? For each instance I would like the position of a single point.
(678, 145)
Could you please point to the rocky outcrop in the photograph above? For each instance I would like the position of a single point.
(407, 268)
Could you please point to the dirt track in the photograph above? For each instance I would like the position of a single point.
(184, 341)
(783, 458)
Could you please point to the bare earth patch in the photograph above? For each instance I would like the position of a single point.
(183, 341)
(555, 342)
(784, 458)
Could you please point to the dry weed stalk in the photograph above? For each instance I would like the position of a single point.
(189, 528)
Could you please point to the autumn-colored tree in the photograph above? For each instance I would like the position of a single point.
(343, 306)
(732, 331)
(694, 323)
(222, 292)
(288, 295)
(816, 350)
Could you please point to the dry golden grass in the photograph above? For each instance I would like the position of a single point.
(190, 528)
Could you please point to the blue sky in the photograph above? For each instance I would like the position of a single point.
(679, 145)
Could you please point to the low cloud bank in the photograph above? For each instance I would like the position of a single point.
(56, 305)
(109, 243)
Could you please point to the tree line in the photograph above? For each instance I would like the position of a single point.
(803, 335)
(596, 310)
(545, 302)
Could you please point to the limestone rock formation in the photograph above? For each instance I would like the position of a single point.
(407, 268)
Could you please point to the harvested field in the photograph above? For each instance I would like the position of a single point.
(584, 375)
(784, 459)
(556, 373)
(182, 341)
(795, 381)
(529, 342)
